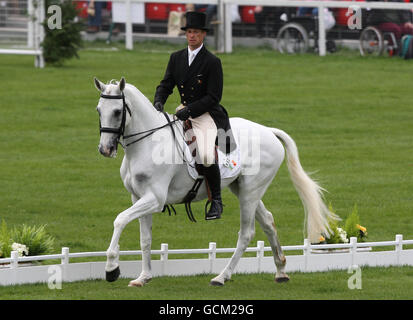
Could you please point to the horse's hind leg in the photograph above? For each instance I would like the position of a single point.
(266, 220)
(245, 235)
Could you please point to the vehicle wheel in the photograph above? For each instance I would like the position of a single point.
(371, 42)
(292, 38)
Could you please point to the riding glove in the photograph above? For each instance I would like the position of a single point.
(158, 106)
(183, 114)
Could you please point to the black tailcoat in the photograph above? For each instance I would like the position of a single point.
(199, 85)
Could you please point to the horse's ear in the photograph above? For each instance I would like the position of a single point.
(122, 84)
(99, 85)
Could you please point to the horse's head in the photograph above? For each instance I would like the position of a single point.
(112, 111)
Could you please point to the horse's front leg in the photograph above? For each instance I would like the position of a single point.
(146, 241)
(148, 204)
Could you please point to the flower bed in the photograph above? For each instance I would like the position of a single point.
(341, 233)
(26, 240)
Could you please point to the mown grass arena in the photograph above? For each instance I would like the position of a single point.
(350, 116)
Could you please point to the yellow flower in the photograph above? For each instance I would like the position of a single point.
(363, 229)
(321, 239)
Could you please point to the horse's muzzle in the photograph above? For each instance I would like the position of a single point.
(108, 151)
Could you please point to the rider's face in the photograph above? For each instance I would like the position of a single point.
(195, 37)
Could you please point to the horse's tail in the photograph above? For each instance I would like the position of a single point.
(317, 215)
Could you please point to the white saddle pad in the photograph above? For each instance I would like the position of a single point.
(229, 164)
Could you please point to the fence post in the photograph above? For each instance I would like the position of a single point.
(39, 33)
(65, 253)
(64, 263)
(399, 247)
(36, 25)
(30, 26)
(128, 26)
(212, 255)
(227, 28)
(15, 263)
(353, 249)
(306, 252)
(321, 32)
(260, 254)
(164, 257)
(220, 36)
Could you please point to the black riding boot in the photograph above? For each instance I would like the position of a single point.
(213, 177)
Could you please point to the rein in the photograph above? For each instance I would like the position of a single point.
(120, 131)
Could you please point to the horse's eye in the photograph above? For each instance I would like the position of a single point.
(117, 113)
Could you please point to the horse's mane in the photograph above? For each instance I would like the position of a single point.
(139, 94)
(131, 87)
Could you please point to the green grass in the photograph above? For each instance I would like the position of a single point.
(351, 118)
(376, 283)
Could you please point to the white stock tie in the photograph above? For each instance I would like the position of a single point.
(191, 57)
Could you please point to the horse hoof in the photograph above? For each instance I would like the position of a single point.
(216, 283)
(135, 283)
(113, 275)
(282, 279)
(138, 283)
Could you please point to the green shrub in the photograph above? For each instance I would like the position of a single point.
(5, 241)
(352, 222)
(35, 238)
(351, 228)
(62, 44)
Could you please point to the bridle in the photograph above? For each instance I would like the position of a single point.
(121, 130)
(120, 133)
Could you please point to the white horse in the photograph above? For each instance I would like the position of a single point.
(125, 111)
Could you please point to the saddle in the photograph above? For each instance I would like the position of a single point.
(229, 166)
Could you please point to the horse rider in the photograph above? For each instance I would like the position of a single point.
(197, 73)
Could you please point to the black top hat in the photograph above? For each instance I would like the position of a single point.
(195, 20)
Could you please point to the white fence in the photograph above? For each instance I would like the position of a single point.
(23, 24)
(315, 258)
(224, 34)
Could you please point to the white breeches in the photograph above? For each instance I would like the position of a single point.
(205, 131)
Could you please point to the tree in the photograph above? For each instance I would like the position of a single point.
(62, 38)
